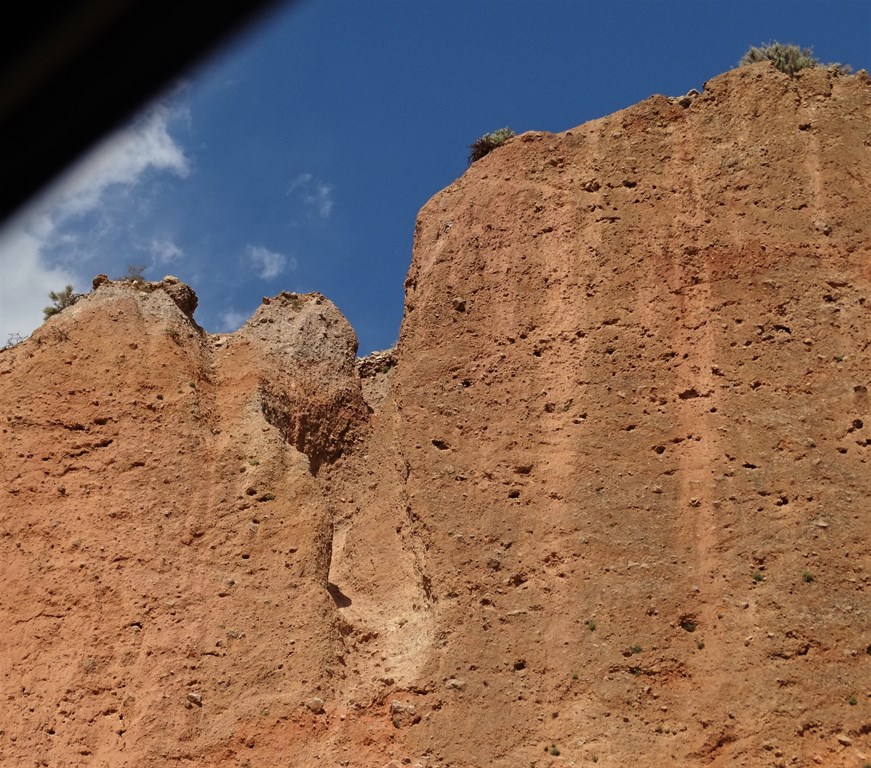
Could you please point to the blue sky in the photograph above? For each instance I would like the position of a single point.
(298, 157)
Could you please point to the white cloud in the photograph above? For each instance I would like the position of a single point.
(268, 264)
(25, 283)
(164, 250)
(120, 161)
(230, 321)
(315, 194)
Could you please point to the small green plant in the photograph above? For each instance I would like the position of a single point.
(688, 624)
(488, 142)
(574, 676)
(788, 58)
(757, 576)
(591, 625)
(62, 300)
(636, 649)
(808, 577)
(554, 750)
(852, 701)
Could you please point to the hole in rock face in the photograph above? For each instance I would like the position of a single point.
(441, 445)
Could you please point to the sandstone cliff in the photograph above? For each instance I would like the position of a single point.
(607, 500)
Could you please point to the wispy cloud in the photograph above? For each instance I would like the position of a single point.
(315, 194)
(231, 320)
(268, 264)
(164, 250)
(47, 225)
(121, 159)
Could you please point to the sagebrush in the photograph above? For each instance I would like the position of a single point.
(488, 142)
(788, 58)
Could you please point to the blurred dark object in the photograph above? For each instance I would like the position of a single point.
(71, 71)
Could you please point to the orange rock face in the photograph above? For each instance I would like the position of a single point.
(606, 502)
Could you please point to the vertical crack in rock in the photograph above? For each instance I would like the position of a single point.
(417, 541)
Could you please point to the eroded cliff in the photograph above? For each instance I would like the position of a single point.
(606, 501)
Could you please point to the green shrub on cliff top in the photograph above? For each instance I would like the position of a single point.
(488, 142)
(788, 58)
(62, 300)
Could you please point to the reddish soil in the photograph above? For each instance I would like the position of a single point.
(606, 502)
